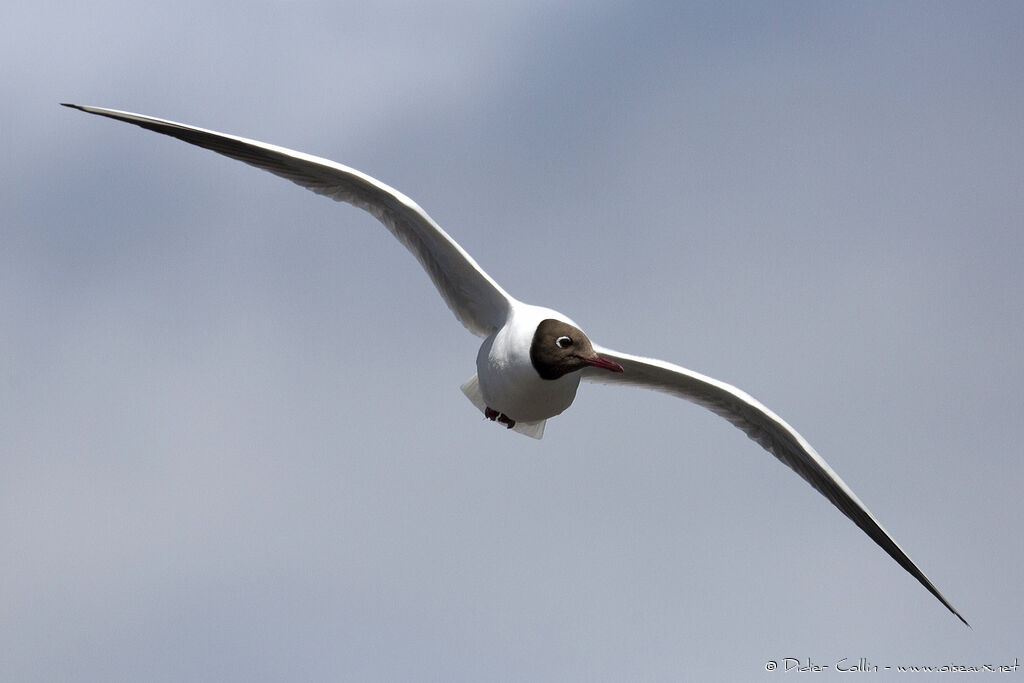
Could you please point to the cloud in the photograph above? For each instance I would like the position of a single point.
(234, 442)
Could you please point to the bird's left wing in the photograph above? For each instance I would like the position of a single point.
(767, 429)
(473, 296)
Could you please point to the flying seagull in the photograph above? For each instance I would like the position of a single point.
(533, 358)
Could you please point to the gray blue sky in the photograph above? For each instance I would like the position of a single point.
(233, 444)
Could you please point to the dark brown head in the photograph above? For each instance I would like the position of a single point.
(559, 348)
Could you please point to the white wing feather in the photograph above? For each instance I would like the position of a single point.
(476, 300)
(767, 429)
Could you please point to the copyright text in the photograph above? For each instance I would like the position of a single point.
(864, 665)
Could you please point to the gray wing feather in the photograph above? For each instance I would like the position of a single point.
(767, 429)
(476, 300)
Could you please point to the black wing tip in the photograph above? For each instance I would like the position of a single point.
(945, 603)
(934, 591)
(86, 109)
(99, 111)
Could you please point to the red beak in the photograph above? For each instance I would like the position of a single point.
(605, 363)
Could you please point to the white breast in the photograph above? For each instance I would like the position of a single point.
(508, 381)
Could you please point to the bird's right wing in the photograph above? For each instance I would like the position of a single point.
(473, 296)
(764, 427)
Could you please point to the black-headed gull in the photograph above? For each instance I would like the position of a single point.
(533, 358)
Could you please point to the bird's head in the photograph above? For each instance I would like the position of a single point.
(559, 348)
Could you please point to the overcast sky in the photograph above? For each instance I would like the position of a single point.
(233, 442)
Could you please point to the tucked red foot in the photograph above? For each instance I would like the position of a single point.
(491, 414)
(507, 421)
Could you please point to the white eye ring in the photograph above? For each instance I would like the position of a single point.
(563, 342)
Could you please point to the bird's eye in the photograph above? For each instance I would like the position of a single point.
(563, 342)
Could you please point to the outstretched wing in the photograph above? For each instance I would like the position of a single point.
(477, 300)
(767, 429)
